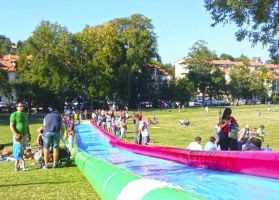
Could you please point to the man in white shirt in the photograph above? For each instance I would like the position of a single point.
(195, 146)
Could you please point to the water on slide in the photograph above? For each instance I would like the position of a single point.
(209, 184)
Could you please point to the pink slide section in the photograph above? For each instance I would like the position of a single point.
(265, 164)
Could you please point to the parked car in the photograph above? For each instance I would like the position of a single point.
(3, 107)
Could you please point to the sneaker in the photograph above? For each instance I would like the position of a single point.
(17, 169)
(45, 167)
(25, 169)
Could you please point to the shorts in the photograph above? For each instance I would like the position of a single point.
(51, 138)
(25, 141)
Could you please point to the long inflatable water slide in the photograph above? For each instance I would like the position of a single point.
(125, 171)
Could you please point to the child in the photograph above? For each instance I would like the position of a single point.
(40, 137)
(145, 134)
(38, 156)
(4, 155)
(261, 133)
(18, 153)
(71, 134)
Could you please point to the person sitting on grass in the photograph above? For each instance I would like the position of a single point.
(267, 148)
(39, 140)
(18, 154)
(4, 154)
(1, 150)
(253, 144)
(196, 145)
(210, 145)
(184, 122)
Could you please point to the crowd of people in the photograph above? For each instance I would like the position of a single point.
(57, 128)
(227, 136)
(116, 123)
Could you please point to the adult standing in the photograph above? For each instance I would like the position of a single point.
(53, 126)
(227, 124)
(19, 125)
(137, 139)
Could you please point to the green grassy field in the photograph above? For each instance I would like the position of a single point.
(168, 133)
(69, 183)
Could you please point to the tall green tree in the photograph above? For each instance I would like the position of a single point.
(261, 83)
(49, 72)
(240, 81)
(200, 68)
(139, 48)
(97, 54)
(218, 86)
(244, 59)
(225, 56)
(257, 20)
(5, 45)
(5, 86)
(184, 89)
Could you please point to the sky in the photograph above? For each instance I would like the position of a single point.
(178, 24)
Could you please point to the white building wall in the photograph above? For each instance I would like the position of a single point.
(180, 69)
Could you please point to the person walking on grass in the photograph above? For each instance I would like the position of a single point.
(19, 125)
(53, 126)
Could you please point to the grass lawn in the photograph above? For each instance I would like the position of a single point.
(168, 133)
(61, 183)
(69, 183)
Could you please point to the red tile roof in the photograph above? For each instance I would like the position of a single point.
(235, 63)
(160, 70)
(7, 63)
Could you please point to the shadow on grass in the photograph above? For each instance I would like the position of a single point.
(8, 144)
(23, 184)
(33, 119)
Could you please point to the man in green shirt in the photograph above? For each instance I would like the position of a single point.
(19, 124)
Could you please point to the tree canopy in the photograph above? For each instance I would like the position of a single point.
(107, 61)
(258, 20)
(5, 45)
(5, 87)
(201, 71)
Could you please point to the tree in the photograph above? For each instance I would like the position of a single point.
(138, 41)
(244, 59)
(5, 45)
(218, 85)
(257, 20)
(240, 80)
(5, 86)
(49, 73)
(97, 54)
(225, 56)
(200, 68)
(183, 90)
(261, 83)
